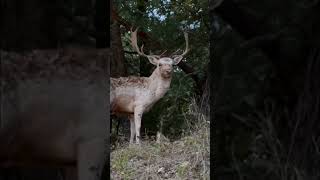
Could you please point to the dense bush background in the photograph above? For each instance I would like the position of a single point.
(265, 89)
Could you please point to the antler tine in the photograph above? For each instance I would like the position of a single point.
(187, 44)
(163, 53)
(134, 43)
(174, 53)
(186, 49)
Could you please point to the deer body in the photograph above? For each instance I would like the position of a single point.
(131, 92)
(135, 95)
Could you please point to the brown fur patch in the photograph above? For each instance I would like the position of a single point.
(123, 104)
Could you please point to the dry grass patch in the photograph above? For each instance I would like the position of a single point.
(187, 158)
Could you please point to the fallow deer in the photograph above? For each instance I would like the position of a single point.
(133, 96)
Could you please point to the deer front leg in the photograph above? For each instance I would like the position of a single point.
(138, 111)
(132, 128)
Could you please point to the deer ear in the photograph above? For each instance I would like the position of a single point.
(153, 60)
(177, 59)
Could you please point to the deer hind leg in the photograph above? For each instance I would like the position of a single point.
(132, 128)
(138, 111)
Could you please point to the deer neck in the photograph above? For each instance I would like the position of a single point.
(158, 84)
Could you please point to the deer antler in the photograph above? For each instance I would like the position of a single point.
(187, 44)
(154, 58)
(134, 44)
(178, 58)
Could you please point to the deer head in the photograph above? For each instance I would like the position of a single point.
(164, 64)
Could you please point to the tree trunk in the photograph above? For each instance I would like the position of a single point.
(117, 66)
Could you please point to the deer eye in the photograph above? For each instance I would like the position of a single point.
(160, 64)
